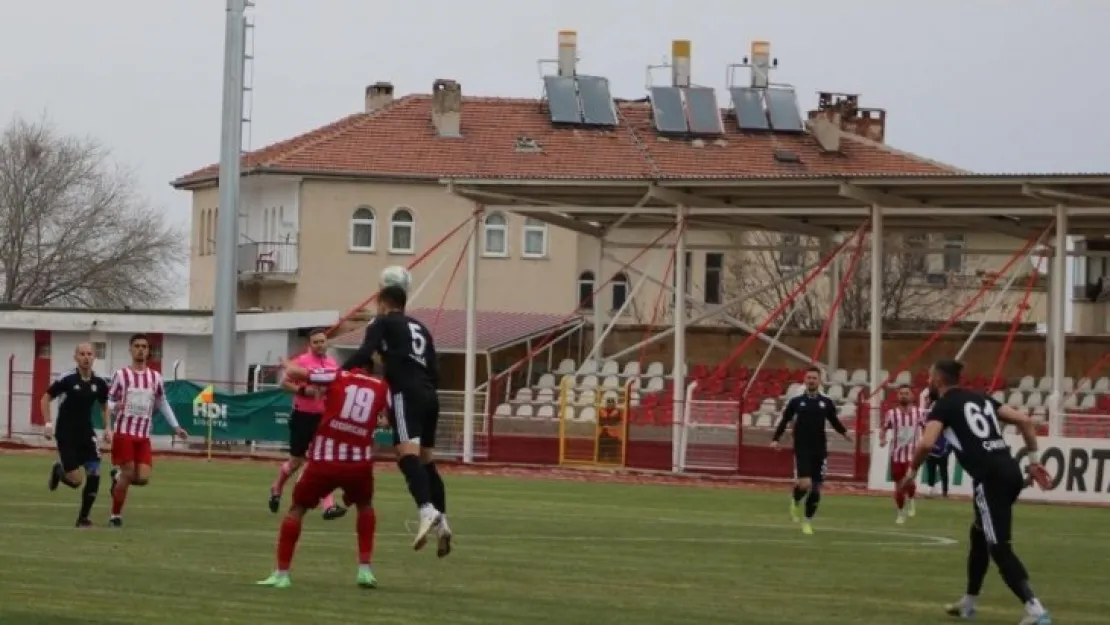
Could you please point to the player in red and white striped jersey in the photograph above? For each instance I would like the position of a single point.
(133, 396)
(340, 457)
(904, 421)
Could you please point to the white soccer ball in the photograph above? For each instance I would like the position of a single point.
(396, 276)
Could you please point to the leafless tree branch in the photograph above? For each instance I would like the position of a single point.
(73, 229)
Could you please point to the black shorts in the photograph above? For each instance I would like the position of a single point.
(302, 429)
(994, 500)
(811, 465)
(414, 417)
(77, 450)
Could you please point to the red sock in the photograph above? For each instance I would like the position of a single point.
(288, 536)
(119, 497)
(900, 498)
(284, 473)
(911, 490)
(366, 524)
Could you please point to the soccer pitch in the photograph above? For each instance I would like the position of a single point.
(527, 551)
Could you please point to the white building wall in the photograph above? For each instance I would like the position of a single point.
(17, 348)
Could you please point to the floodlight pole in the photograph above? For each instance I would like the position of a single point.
(1058, 327)
(678, 370)
(226, 300)
(470, 366)
(876, 346)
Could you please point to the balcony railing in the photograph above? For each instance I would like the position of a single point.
(262, 260)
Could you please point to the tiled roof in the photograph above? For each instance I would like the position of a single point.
(495, 329)
(399, 140)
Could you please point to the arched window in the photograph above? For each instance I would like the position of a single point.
(620, 291)
(586, 290)
(363, 230)
(535, 238)
(495, 232)
(402, 232)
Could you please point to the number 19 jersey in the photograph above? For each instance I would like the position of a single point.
(972, 429)
(353, 402)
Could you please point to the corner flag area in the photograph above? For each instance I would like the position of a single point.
(589, 551)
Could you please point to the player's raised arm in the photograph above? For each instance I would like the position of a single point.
(787, 416)
(363, 358)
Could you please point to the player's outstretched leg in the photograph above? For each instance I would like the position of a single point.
(288, 535)
(978, 561)
(366, 525)
(121, 482)
(1017, 579)
(89, 493)
(417, 479)
(439, 500)
(58, 475)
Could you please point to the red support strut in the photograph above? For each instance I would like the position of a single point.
(996, 378)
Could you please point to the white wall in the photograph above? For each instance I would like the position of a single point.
(21, 345)
(269, 210)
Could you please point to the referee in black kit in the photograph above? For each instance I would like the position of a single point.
(809, 412)
(80, 390)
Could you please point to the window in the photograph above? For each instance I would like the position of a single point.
(586, 290)
(915, 259)
(496, 234)
(100, 350)
(790, 253)
(714, 277)
(620, 291)
(363, 231)
(954, 253)
(535, 238)
(402, 232)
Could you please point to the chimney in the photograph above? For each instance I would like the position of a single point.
(680, 63)
(447, 108)
(378, 96)
(826, 133)
(568, 53)
(842, 110)
(761, 64)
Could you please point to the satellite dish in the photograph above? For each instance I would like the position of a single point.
(1040, 259)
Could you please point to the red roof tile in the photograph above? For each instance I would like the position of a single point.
(495, 329)
(399, 140)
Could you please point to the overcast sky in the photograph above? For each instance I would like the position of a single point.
(989, 85)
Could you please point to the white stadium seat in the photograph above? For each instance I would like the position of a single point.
(524, 411)
(503, 410)
(588, 367)
(566, 365)
(655, 369)
(632, 368)
(546, 411)
(546, 381)
(611, 367)
(523, 395)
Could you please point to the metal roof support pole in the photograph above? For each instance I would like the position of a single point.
(678, 367)
(876, 348)
(836, 274)
(1058, 328)
(720, 310)
(599, 317)
(470, 367)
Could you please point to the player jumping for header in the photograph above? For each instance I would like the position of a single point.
(340, 457)
(970, 422)
(409, 357)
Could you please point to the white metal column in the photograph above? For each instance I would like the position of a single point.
(876, 347)
(1050, 287)
(678, 370)
(470, 367)
(599, 306)
(836, 274)
(1058, 329)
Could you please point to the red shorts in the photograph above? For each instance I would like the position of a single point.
(898, 470)
(127, 449)
(319, 479)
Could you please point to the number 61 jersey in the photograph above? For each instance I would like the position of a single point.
(353, 401)
(971, 427)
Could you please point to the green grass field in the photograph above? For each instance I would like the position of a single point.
(528, 551)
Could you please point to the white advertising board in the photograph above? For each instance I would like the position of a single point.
(1080, 468)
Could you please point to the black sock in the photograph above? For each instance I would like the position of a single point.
(417, 479)
(63, 478)
(436, 488)
(978, 561)
(88, 495)
(799, 494)
(812, 500)
(1013, 571)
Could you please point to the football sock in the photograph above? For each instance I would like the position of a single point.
(365, 526)
(417, 479)
(978, 561)
(900, 498)
(285, 471)
(119, 497)
(328, 501)
(435, 487)
(799, 494)
(288, 536)
(88, 495)
(812, 500)
(1013, 571)
(62, 477)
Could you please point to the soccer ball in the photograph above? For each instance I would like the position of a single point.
(396, 276)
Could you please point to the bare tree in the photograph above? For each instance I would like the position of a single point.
(73, 230)
(909, 300)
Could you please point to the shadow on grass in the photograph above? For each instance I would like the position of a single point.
(9, 617)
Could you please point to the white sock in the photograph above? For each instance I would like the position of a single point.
(1034, 608)
(428, 510)
(364, 568)
(969, 601)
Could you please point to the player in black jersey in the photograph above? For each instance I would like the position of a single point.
(970, 423)
(408, 355)
(80, 390)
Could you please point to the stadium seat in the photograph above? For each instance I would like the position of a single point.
(1072, 401)
(589, 381)
(569, 413)
(654, 384)
(854, 394)
(588, 368)
(611, 381)
(546, 381)
(586, 398)
(836, 392)
(610, 367)
(1016, 399)
(587, 414)
(840, 376)
(1029, 383)
(847, 411)
(544, 396)
(524, 411)
(859, 377)
(503, 410)
(1085, 385)
(631, 368)
(1102, 385)
(566, 365)
(904, 377)
(655, 369)
(546, 411)
(523, 395)
(1088, 402)
(1034, 400)
(999, 396)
